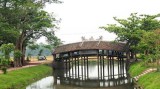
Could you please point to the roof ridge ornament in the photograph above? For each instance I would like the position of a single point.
(99, 40)
(83, 39)
(91, 39)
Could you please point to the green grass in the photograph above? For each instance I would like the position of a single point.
(150, 81)
(22, 77)
(137, 68)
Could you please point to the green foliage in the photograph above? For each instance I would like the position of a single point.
(133, 28)
(139, 33)
(24, 20)
(126, 29)
(34, 50)
(148, 41)
(150, 46)
(4, 69)
(150, 22)
(23, 77)
(8, 35)
(3, 64)
(40, 52)
(48, 47)
(33, 46)
(17, 54)
(1, 59)
(52, 40)
(150, 81)
(6, 49)
(137, 68)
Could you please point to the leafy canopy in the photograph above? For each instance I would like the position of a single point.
(131, 29)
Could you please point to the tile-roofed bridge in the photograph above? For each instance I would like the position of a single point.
(79, 54)
(90, 45)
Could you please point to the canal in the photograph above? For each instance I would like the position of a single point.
(93, 75)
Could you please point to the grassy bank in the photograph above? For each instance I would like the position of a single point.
(148, 81)
(137, 68)
(22, 77)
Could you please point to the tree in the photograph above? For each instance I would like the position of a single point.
(150, 45)
(40, 52)
(52, 41)
(38, 24)
(32, 47)
(131, 30)
(27, 19)
(8, 33)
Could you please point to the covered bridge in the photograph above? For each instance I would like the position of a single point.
(90, 48)
(78, 54)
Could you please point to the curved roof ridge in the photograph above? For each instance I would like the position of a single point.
(87, 45)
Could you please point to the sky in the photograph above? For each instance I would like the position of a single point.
(84, 17)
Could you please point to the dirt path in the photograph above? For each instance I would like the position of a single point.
(30, 64)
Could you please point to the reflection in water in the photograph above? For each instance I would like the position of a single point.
(45, 83)
(77, 77)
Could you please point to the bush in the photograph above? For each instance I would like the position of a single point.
(4, 69)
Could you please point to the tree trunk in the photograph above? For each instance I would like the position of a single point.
(23, 55)
(127, 59)
(127, 55)
(18, 47)
(133, 56)
(146, 52)
(16, 63)
(158, 65)
(21, 46)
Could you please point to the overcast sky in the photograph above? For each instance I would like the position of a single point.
(84, 17)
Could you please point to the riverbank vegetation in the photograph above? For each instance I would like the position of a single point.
(22, 77)
(137, 68)
(141, 33)
(147, 81)
(150, 81)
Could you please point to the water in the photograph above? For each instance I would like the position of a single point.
(86, 78)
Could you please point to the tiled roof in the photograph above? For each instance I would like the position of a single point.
(105, 45)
